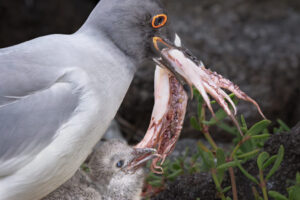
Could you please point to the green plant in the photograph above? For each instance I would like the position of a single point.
(245, 147)
(293, 192)
(85, 168)
(174, 168)
(263, 162)
(217, 161)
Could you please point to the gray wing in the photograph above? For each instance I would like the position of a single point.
(34, 103)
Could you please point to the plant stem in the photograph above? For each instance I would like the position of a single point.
(203, 147)
(237, 147)
(255, 193)
(217, 183)
(233, 184)
(263, 184)
(209, 138)
(205, 130)
(231, 172)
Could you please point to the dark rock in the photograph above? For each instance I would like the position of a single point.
(201, 185)
(188, 188)
(255, 43)
(22, 20)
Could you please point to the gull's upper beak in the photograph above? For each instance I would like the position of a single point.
(139, 157)
(170, 62)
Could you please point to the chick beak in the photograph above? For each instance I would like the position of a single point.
(139, 157)
(161, 44)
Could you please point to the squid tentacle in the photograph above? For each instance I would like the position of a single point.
(224, 105)
(228, 85)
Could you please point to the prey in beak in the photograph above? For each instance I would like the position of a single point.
(177, 72)
(139, 157)
(189, 71)
(160, 44)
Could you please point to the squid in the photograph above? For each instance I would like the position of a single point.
(167, 117)
(177, 72)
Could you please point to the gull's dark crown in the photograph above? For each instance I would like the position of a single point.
(128, 24)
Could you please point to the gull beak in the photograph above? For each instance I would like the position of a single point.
(170, 63)
(139, 157)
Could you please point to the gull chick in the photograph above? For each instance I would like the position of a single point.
(77, 188)
(112, 175)
(115, 172)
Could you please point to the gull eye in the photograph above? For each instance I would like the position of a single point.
(120, 163)
(159, 20)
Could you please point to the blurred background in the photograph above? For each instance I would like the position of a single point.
(254, 43)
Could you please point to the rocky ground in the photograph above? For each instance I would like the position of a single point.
(255, 43)
(202, 186)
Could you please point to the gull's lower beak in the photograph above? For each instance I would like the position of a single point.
(171, 63)
(139, 157)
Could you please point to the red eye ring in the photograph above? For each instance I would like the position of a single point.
(159, 20)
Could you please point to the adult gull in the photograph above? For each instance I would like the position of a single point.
(58, 93)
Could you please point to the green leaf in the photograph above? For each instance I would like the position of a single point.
(294, 193)
(262, 157)
(255, 193)
(186, 153)
(221, 159)
(263, 136)
(298, 178)
(195, 157)
(249, 154)
(228, 129)
(196, 92)
(226, 189)
(249, 176)
(199, 98)
(259, 127)
(208, 160)
(283, 125)
(277, 163)
(229, 164)
(200, 109)
(277, 195)
(248, 146)
(85, 168)
(175, 174)
(176, 165)
(270, 161)
(220, 115)
(266, 131)
(154, 178)
(244, 124)
(228, 198)
(195, 124)
(157, 183)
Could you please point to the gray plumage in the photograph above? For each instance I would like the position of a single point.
(58, 94)
(113, 183)
(105, 179)
(77, 188)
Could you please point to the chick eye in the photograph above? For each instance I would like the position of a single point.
(159, 20)
(120, 163)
